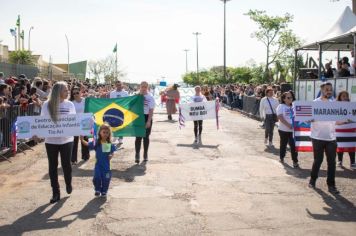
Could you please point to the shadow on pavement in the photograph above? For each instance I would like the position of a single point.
(197, 145)
(37, 220)
(128, 174)
(339, 208)
(273, 150)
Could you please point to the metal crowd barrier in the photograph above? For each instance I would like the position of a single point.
(8, 118)
(248, 105)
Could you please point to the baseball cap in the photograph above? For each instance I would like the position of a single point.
(11, 81)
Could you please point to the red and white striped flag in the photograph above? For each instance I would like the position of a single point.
(345, 137)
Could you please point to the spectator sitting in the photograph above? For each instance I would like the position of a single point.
(344, 72)
(329, 72)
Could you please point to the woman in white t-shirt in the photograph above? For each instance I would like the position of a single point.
(149, 105)
(285, 128)
(79, 102)
(57, 105)
(198, 124)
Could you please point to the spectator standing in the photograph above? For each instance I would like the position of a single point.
(268, 107)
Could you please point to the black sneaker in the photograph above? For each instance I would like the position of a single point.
(55, 198)
(97, 193)
(295, 165)
(311, 184)
(69, 189)
(333, 190)
(103, 194)
(281, 160)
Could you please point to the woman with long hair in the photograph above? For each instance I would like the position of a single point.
(343, 96)
(172, 94)
(79, 102)
(56, 105)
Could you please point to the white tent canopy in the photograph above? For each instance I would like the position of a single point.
(339, 37)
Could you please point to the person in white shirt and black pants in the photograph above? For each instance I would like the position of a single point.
(149, 105)
(57, 105)
(323, 135)
(285, 127)
(268, 107)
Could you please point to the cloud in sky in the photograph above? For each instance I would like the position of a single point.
(151, 34)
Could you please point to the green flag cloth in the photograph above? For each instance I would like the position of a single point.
(124, 115)
(18, 21)
(115, 48)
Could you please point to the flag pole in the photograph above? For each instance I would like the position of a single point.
(116, 63)
(18, 23)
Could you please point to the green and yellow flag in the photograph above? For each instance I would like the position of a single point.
(124, 115)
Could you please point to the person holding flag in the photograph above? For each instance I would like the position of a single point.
(149, 105)
(323, 135)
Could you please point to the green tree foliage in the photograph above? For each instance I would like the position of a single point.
(21, 57)
(273, 32)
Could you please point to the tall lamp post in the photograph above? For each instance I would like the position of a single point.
(29, 38)
(186, 60)
(196, 36)
(67, 51)
(225, 75)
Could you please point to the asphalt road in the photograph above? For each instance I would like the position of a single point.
(230, 185)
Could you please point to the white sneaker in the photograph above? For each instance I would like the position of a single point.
(270, 144)
(266, 140)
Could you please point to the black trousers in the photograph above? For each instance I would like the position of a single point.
(146, 140)
(52, 153)
(287, 138)
(85, 149)
(319, 147)
(269, 127)
(198, 125)
(340, 156)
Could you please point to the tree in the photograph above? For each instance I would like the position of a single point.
(104, 69)
(273, 32)
(21, 57)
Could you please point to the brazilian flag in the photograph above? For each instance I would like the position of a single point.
(124, 115)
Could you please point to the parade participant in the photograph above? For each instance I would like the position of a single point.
(173, 95)
(324, 140)
(198, 124)
(56, 105)
(119, 93)
(285, 128)
(344, 97)
(79, 103)
(268, 107)
(149, 105)
(104, 151)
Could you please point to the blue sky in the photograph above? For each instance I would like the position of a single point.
(151, 34)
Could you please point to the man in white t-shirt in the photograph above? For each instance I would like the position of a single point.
(119, 93)
(323, 137)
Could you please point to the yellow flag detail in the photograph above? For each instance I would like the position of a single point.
(116, 116)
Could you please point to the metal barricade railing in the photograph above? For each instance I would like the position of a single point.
(8, 118)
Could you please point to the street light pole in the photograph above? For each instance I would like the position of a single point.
(186, 60)
(196, 35)
(67, 51)
(29, 38)
(225, 75)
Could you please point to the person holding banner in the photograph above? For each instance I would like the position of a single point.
(78, 102)
(285, 128)
(198, 124)
(57, 105)
(268, 107)
(343, 96)
(149, 105)
(323, 135)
